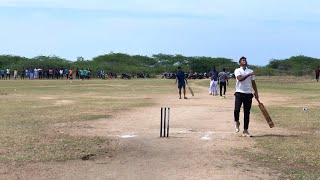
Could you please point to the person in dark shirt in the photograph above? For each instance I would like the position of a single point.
(2, 73)
(223, 82)
(317, 71)
(181, 79)
(213, 89)
(23, 71)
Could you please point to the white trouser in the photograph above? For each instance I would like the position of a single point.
(213, 89)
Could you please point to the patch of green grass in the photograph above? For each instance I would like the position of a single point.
(296, 155)
(292, 118)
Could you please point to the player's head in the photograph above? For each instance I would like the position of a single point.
(243, 61)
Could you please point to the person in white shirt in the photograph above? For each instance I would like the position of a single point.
(8, 73)
(245, 77)
(213, 89)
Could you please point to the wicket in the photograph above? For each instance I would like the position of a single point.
(165, 115)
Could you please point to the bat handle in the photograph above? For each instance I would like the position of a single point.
(258, 101)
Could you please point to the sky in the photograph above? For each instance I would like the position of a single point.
(261, 30)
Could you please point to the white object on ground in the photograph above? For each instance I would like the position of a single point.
(128, 136)
(205, 137)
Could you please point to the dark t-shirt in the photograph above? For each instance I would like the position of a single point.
(180, 76)
(214, 75)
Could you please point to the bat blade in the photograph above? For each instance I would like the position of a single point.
(190, 90)
(266, 115)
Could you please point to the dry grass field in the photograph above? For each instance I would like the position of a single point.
(60, 129)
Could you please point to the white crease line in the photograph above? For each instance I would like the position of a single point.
(128, 136)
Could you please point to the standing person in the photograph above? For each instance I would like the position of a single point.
(15, 74)
(31, 73)
(36, 73)
(213, 89)
(40, 72)
(77, 73)
(66, 71)
(70, 73)
(2, 73)
(317, 71)
(57, 73)
(27, 73)
(223, 82)
(23, 73)
(8, 73)
(244, 79)
(51, 73)
(61, 73)
(82, 74)
(182, 80)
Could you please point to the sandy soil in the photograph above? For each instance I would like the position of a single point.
(202, 144)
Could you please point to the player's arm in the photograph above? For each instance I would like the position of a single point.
(242, 78)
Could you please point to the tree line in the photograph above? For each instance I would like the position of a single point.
(160, 63)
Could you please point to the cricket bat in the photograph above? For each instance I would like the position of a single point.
(265, 114)
(190, 90)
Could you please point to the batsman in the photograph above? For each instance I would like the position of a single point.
(182, 81)
(245, 81)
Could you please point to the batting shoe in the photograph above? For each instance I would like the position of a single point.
(246, 133)
(237, 126)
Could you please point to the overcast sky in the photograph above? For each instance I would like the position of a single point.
(258, 29)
